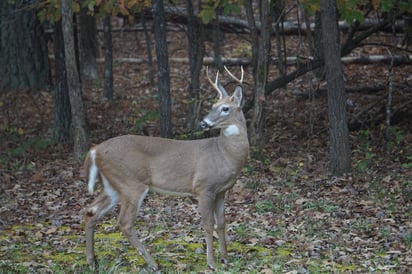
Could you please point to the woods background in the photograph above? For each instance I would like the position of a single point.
(327, 187)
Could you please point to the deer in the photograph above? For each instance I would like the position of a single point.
(205, 169)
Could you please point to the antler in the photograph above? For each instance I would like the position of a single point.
(240, 81)
(217, 86)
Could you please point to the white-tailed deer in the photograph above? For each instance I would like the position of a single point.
(129, 166)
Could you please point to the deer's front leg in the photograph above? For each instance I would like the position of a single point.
(221, 225)
(206, 208)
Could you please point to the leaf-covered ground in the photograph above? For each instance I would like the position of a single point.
(286, 214)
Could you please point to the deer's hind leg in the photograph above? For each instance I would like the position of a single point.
(101, 205)
(129, 206)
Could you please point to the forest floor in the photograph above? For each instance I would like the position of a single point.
(286, 213)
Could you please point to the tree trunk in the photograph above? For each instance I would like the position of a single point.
(81, 142)
(262, 49)
(23, 50)
(148, 42)
(196, 37)
(318, 46)
(88, 45)
(62, 108)
(339, 150)
(280, 39)
(163, 81)
(108, 59)
(218, 36)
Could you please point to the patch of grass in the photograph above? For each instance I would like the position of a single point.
(321, 205)
(241, 230)
(33, 143)
(266, 206)
(407, 239)
(363, 225)
(21, 154)
(276, 232)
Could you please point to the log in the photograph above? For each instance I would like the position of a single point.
(374, 59)
(237, 61)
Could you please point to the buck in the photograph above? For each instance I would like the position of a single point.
(129, 166)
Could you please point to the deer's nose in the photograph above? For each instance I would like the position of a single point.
(204, 125)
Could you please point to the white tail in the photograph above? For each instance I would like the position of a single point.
(129, 166)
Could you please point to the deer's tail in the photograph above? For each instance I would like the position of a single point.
(91, 169)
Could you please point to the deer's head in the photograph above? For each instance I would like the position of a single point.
(227, 111)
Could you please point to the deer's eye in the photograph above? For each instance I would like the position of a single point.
(225, 109)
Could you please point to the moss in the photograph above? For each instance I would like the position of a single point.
(245, 248)
(175, 251)
(284, 252)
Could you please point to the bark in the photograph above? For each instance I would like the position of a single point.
(339, 150)
(254, 33)
(196, 37)
(81, 142)
(108, 59)
(280, 39)
(23, 50)
(88, 45)
(318, 45)
(218, 37)
(163, 81)
(389, 107)
(62, 108)
(149, 51)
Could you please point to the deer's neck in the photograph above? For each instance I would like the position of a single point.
(233, 140)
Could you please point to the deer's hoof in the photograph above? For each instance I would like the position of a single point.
(211, 265)
(154, 267)
(224, 260)
(91, 261)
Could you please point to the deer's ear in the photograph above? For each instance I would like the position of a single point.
(237, 96)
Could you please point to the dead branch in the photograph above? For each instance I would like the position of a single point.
(177, 20)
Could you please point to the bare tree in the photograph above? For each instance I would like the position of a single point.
(163, 81)
(23, 50)
(108, 59)
(88, 45)
(81, 141)
(196, 37)
(261, 56)
(62, 109)
(339, 150)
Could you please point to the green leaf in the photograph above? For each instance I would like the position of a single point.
(406, 6)
(207, 14)
(386, 5)
(350, 12)
(91, 5)
(311, 6)
(231, 9)
(42, 15)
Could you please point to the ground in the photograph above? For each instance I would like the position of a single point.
(286, 213)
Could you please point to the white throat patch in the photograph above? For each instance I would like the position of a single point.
(231, 130)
